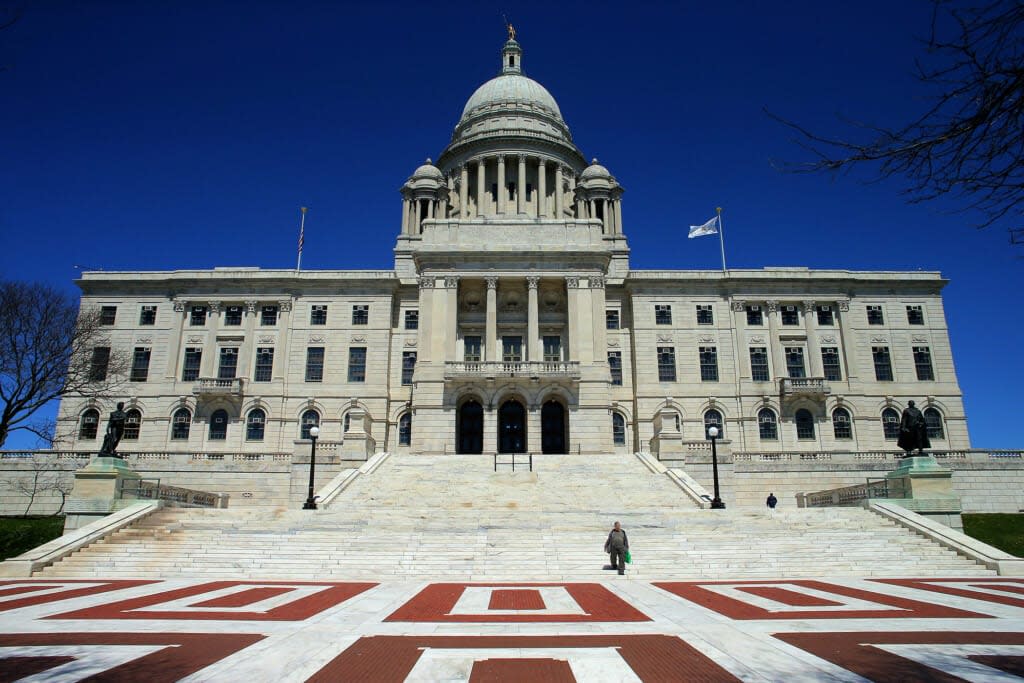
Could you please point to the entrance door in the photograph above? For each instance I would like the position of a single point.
(471, 428)
(512, 428)
(552, 426)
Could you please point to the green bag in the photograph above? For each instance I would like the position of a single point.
(629, 558)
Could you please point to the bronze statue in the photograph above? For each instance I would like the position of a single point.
(913, 431)
(115, 430)
(511, 32)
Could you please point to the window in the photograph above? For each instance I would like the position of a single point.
(132, 425)
(615, 365)
(232, 316)
(405, 429)
(318, 314)
(890, 424)
(529, 191)
(264, 364)
(412, 320)
(618, 429)
(767, 425)
(147, 316)
(268, 315)
(795, 361)
(100, 363)
(804, 424)
(408, 366)
(662, 314)
(361, 315)
(228, 363)
(310, 419)
(755, 316)
(611, 320)
(708, 364)
(140, 364)
(357, 364)
(181, 424)
(219, 425)
(255, 425)
(790, 316)
(883, 364)
(713, 418)
(933, 420)
(108, 314)
(190, 368)
(759, 364)
(875, 316)
(915, 315)
(842, 427)
(705, 314)
(471, 346)
(830, 363)
(825, 316)
(494, 193)
(315, 364)
(552, 349)
(90, 424)
(511, 349)
(346, 422)
(923, 363)
(197, 317)
(666, 364)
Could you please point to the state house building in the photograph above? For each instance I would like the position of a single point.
(514, 322)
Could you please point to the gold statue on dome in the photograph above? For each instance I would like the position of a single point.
(511, 32)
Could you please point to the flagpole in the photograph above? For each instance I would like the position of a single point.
(302, 235)
(721, 238)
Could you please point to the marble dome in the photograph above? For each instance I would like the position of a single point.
(515, 90)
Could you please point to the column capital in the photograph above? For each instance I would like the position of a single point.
(451, 282)
(501, 159)
(532, 281)
(492, 281)
(179, 305)
(521, 157)
(597, 281)
(285, 305)
(738, 305)
(844, 305)
(214, 306)
(773, 306)
(572, 282)
(809, 306)
(250, 306)
(426, 282)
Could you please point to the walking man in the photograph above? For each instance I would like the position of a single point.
(771, 502)
(616, 547)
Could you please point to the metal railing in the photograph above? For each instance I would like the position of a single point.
(854, 495)
(527, 369)
(512, 460)
(176, 496)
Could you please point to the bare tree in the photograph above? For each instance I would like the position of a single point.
(44, 477)
(49, 350)
(969, 141)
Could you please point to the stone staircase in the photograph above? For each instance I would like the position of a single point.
(453, 518)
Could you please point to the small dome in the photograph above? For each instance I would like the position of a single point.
(594, 171)
(428, 170)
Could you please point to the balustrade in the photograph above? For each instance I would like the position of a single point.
(509, 369)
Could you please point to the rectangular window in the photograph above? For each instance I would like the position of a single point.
(755, 316)
(264, 364)
(708, 364)
(197, 316)
(361, 315)
(611, 320)
(511, 349)
(140, 364)
(666, 364)
(790, 316)
(147, 316)
(315, 364)
(268, 315)
(923, 363)
(408, 366)
(705, 314)
(318, 314)
(108, 314)
(615, 365)
(830, 363)
(193, 360)
(915, 315)
(826, 316)
(228, 368)
(357, 364)
(100, 363)
(552, 349)
(759, 364)
(412, 320)
(883, 363)
(662, 314)
(471, 346)
(875, 316)
(795, 361)
(233, 316)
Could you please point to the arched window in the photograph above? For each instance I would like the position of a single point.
(132, 425)
(842, 426)
(891, 424)
(933, 419)
(405, 429)
(310, 419)
(181, 423)
(219, 425)
(345, 423)
(713, 418)
(804, 424)
(90, 424)
(767, 425)
(618, 429)
(255, 424)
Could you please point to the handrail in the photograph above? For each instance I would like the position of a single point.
(512, 462)
(151, 489)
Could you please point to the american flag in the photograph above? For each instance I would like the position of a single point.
(302, 237)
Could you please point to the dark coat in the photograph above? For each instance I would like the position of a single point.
(615, 543)
(913, 430)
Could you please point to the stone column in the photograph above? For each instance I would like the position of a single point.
(414, 216)
(597, 313)
(426, 324)
(534, 352)
(249, 345)
(542, 192)
(430, 208)
(464, 191)
(442, 206)
(847, 342)
(284, 323)
(814, 366)
(559, 197)
(609, 228)
(209, 362)
(743, 370)
(572, 192)
(490, 429)
(491, 331)
(521, 187)
(177, 329)
(405, 216)
(775, 345)
(481, 189)
(501, 184)
(451, 285)
(618, 216)
(572, 290)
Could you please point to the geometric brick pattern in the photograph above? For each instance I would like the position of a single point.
(522, 599)
(988, 589)
(40, 592)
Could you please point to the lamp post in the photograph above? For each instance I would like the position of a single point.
(314, 432)
(716, 503)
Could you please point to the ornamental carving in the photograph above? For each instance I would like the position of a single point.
(844, 305)
(665, 338)
(214, 306)
(757, 340)
(358, 339)
(532, 281)
(179, 306)
(451, 282)
(492, 281)
(808, 307)
(572, 282)
(614, 343)
(285, 305)
(144, 340)
(265, 340)
(427, 282)
(250, 306)
(706, 340)
(919, 340)
(410, 342)
(773, 306)
(828, 339)
(739, 306)
(316, 339)
(879, 340)
(597, 281)
(195, 340)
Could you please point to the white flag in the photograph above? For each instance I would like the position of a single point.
(709, 228)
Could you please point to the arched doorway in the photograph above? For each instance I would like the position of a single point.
(470, 429)
(512, 427)
(553, 428)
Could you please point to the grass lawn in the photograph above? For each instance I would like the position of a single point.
(1002, 530)
(18, 534)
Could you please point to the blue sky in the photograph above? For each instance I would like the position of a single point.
(164, 135)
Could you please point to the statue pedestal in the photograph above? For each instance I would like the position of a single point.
(667, 442)
(96, 492)
(357, 443)
(927, 489)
